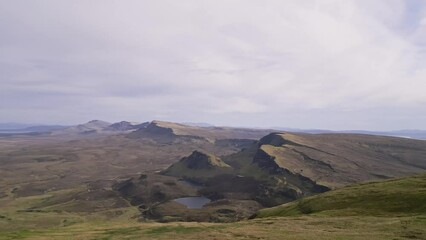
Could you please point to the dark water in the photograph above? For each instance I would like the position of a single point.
(193, 202)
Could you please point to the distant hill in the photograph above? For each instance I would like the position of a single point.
(13, 126)
(125, 126)
(98, 166)
(27, 128)
(99, 127)
(90, 127)
(173, 131)
(408, 133)
(392, 197)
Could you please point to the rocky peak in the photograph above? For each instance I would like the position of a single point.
(198, 165)
(276, 139)
(201, 160)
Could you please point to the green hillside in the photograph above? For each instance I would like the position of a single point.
(406, 196)
(394, 209)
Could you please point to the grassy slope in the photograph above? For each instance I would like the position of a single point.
(306, 227)
(385, 210)
(393, 197)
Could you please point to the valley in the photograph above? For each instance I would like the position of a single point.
(130, 180)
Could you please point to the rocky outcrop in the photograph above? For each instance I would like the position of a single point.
(155, 132)
(276, 140)
(266, 162)
(200, 160)
(294, 185)
(198, 165)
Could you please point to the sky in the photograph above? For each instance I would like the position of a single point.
(326, 64)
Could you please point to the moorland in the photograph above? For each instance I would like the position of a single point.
(100, 180)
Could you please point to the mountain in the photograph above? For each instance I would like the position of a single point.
(91, 127)
(408, 133)
(120, 175)
(157, 131)
(198, 165)
(94, 124)
(283, 167)
(333, 160)
(388, 198)
(125, 126)
(100, 127)
(167, 131)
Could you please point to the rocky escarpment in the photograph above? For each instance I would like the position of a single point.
(301, 184)
(278, 139)
(266, 162)
(336, 160)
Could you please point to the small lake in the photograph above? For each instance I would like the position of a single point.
(193, 202)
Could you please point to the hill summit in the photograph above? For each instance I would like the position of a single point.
(198, 165)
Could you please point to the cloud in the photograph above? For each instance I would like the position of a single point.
(224, 62)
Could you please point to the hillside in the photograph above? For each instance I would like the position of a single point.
(388, 198)
(175, 130)
(89, 128)
(283, 167)
(72, 158)
(198, 165)
(333, 160)
(64, 186)
(393, 209)
(125, 126)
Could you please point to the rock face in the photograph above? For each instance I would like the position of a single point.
(274, 139)
(266, 162)
(198, 165)
(200, 160)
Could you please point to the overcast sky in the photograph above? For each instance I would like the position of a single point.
(328, 64)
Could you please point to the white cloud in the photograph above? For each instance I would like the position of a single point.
(209, 60)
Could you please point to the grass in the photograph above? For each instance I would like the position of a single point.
(304, 227)
(389, 198)
(392, 209)
(37, 171)
(173, 229)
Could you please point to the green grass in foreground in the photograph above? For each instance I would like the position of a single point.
(305, 227)
(405, 196)
(385, 210)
